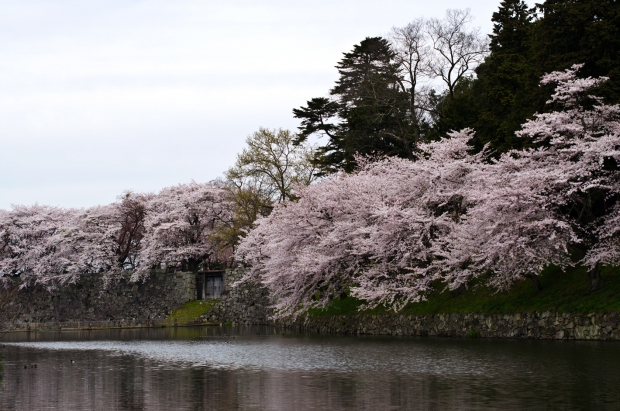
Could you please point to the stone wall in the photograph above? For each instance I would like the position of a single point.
(246, 304)
(90, 300)
(546, 325)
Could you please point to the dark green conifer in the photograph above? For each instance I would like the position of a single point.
(367, 111)
(580, 31)
(507, 88)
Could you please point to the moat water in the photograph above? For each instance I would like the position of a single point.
(261, 368)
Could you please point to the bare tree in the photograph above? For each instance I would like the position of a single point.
(412, 53)
(426, 50)
(457, 49)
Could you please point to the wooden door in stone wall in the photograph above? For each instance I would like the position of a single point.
(214, 287)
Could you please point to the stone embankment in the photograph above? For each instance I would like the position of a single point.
(120, 303)
(545, 325)
(96, 298)
(246, 303)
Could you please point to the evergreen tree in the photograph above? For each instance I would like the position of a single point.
(498, 101)
(580, 31)
(456, 111)
(506, 90)
(366, 112)
(526, 44)
(511, 25)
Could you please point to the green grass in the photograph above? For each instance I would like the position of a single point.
(193, 309)
(561, 292)
(472, 334)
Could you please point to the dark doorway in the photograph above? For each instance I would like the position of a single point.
(209, 285)
(200, 287)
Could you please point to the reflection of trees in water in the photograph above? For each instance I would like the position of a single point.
(108, 380)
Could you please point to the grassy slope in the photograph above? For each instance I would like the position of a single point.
(193, 309)
(562, 292)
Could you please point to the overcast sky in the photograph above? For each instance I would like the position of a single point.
(98, 97)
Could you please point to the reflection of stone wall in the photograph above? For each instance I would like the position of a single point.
(89, 300)
(247, 303)
(544, 325)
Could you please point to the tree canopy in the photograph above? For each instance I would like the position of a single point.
(525, 44)
(381, 104)
(395, 202)
(393, 230)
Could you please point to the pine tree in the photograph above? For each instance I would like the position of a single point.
(366, 113)
(526, 44)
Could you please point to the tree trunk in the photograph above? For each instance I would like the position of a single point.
(595, 278)
(535, 281)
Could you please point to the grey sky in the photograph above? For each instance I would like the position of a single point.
(97, 97)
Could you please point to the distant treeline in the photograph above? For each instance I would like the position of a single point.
(433, 76)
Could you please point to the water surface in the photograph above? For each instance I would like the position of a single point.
(263, 369)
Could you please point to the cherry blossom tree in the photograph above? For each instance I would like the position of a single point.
(508, 231)
(581, 139)
(99, 239)
(386, 233)
(529, 207)
(130, 212)
(51, 246)
(390, 231)
(369, 233)
(85, 244)
(25, 246)
(180, 224)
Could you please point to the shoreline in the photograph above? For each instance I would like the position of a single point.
(536, 325)
(84, 326)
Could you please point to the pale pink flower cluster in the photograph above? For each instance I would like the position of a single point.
(396, 229)
(180, 223)
(51, 246)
